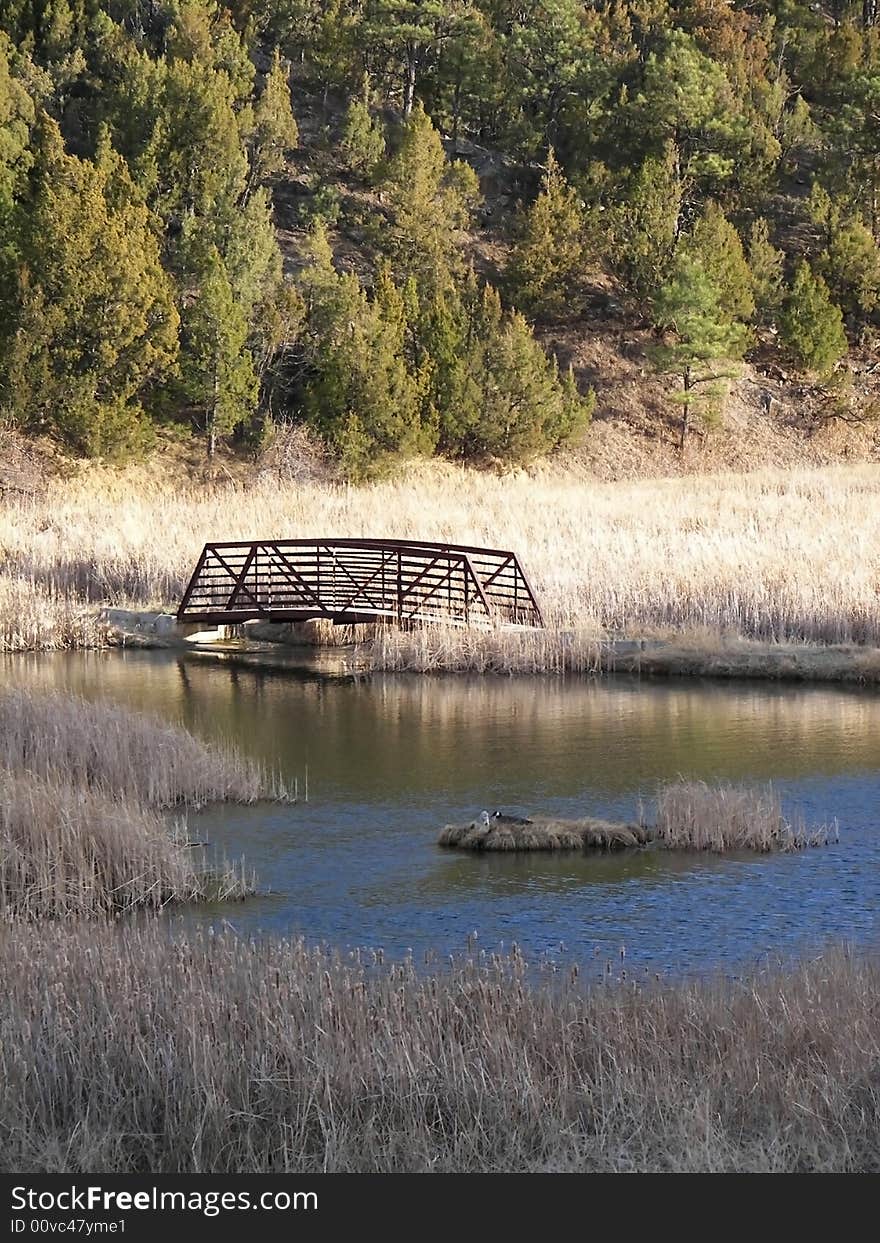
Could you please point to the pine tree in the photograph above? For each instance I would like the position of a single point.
(766, 265)
(812, 325)
(702, 339)
(716, 246)
(94, 323)
(548, 251)
(686, 101)
(410, 32)
(217, 368)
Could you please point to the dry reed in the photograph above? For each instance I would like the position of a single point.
(545, 833)
(774, 555)
(128, 1049)
(34, 618)
(66, 851)
(122, 753)
(692, 815)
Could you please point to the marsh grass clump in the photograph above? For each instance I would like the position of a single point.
(692, 815)
(545, 833)
(437, 648)
(122, 753)
(134, 1048)
(68, 851)
(36, 618)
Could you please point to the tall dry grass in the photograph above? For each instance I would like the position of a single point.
(692, 815)
(38, 618)
(122, 753)
(68, 851)
(126, 1049)
(773, 555)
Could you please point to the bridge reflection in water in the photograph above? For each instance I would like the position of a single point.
(358, 580)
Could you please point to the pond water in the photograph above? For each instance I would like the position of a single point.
(390, 759)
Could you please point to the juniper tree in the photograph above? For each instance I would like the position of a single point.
(274, 131)
(716, 246)
(812, 324)
(496, 391)
(93, 318)
(217, 368)
(766, 266)
(644, 226)
(355, 386)
(548, 250)
(363, 141)
(851, 266)
(431, 201)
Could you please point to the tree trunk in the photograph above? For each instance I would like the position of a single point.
(686, 408)
(409, 86)
(212, 415)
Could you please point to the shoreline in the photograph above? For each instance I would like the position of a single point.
(442, 651)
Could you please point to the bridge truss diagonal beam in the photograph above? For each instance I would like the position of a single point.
(407, 582)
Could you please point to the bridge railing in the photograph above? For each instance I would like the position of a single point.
(357, 580)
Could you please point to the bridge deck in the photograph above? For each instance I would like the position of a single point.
(358, 580)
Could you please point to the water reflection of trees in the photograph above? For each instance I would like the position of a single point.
(412, 736)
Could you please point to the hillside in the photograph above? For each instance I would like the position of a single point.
(772, 415)
(643, 241)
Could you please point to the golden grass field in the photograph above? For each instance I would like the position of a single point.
(773, 556)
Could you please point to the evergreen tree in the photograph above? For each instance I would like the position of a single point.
(94, 323)
(812, 325)
(356, 388)
(217, 369)
(548, 251)
(17, 116)
(526, 410)
(274, 131)
(496, 391)
(851, 265)
(408, 34)
(431, 201)
(766, 265)
(701, 339)
(363, 141)
(716, 246)
(644, 227)
(855, 140)
(547, 61)
(687, 100)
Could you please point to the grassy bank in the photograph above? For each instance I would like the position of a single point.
(66, 851)
(122, 1049)
(772, 556)
(127, 754)
(82, 788)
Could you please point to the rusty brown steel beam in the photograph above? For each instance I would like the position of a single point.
(413, 575)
